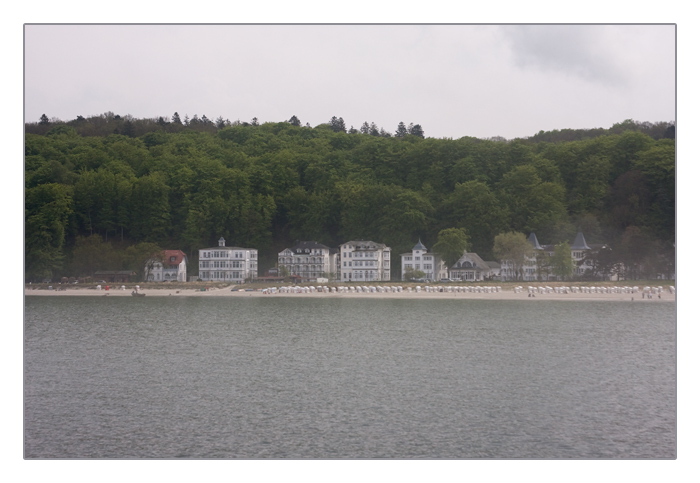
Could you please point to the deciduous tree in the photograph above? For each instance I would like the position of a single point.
(451, 245)
(561, 261)
(513, 247)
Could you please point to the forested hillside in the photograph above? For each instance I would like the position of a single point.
(101, 190)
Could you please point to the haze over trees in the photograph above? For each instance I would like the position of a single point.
(97, 185)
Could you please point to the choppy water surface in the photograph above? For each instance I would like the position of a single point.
(351, 378)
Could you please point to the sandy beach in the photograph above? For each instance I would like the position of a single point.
(504, 294)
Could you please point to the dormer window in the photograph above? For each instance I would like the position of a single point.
(172, 259)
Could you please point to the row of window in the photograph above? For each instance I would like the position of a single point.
(361, 255)
(303, 268)
(227, 254)
(223, 264)
(237, 275)
(360, 275)
(426, 266)
(302, 260)
(166, 276)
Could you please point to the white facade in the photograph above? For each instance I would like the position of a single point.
(579, 249)
(228, 264)
(309, 260)
(364, 261)
(427, 262)
(173, 268)
(470, 268)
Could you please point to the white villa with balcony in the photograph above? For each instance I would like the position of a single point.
(309, 260)
(364, 261)
(228, 264)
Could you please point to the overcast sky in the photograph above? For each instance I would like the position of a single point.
(456, 80)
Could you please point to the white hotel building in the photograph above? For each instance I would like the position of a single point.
(228, 264)
(427, 262)
(364, 261)
(309, 260)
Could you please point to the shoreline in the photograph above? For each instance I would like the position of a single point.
(666, 295)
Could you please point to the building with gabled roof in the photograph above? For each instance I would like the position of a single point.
(531, 270)
(471, 268)
(228, 264)
(171, 267)
(309, 260)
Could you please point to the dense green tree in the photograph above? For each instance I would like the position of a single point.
(337, 124)
(658, 165)
(401, 130)
(91, 254)
(451, 245)
(272, 183)
(561, 262)
(416, 130)
(477, 209)
(635, 248)
(47, 210)
(513, 248)
(411, 274)
(142, 257)
(150, 208)
(534, 205)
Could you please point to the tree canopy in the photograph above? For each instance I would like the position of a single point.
(451, 245)
(183, 182)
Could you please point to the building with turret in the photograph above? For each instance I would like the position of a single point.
(420, 259)
(537, 268)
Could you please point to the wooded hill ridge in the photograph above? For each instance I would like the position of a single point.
(101, 191)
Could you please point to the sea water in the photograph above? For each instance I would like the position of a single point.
(294, 377)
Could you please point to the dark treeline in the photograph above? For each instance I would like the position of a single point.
(101, 190)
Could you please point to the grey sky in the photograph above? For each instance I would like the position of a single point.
(454, 80)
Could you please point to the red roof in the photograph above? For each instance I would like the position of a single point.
(173, 257)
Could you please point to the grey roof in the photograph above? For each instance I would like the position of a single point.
(419, 246)
(473, 258)
(580, 243)
(533, 239)
(308, 244)
(369, 244)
